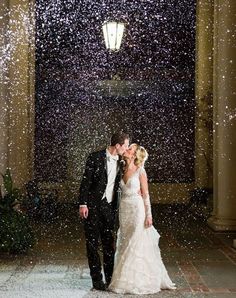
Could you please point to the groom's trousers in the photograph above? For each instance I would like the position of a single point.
(100, 226)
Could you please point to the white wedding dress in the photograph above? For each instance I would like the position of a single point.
(138, 267)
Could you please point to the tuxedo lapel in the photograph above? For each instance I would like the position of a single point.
(104, 160)
(119, 165)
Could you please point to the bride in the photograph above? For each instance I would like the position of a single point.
(138, 267)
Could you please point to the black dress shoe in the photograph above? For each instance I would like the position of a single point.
(99, 285)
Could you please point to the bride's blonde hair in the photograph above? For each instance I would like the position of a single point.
(141, 155)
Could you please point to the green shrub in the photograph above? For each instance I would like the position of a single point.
(16, 235)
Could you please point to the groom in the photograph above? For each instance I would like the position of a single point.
(98, 205)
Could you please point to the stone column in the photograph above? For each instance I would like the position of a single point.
(224, 102)
(203, 94)
(3, 88)
(21, 90)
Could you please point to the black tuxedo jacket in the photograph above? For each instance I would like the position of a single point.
(94, 181)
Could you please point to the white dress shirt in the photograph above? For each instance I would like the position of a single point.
(112, 170)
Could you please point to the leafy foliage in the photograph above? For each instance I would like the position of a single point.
(12, 195)
(16, 235)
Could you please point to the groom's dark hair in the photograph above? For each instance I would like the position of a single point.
(119, 138)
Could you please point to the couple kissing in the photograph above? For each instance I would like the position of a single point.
(133, 265)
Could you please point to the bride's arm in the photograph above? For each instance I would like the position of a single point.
(146, 197)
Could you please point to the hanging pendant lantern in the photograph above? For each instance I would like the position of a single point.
(113, 33)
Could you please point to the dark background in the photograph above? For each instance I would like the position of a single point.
(157, 55)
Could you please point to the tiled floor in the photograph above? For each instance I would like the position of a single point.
(202, 263)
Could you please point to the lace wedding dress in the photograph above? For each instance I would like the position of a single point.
(138, 265)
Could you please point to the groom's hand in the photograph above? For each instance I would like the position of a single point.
(83, 212)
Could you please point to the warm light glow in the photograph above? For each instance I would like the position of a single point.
(113, 32)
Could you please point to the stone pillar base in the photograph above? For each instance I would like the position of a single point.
(222, 224)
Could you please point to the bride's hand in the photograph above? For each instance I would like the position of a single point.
(148, 222)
